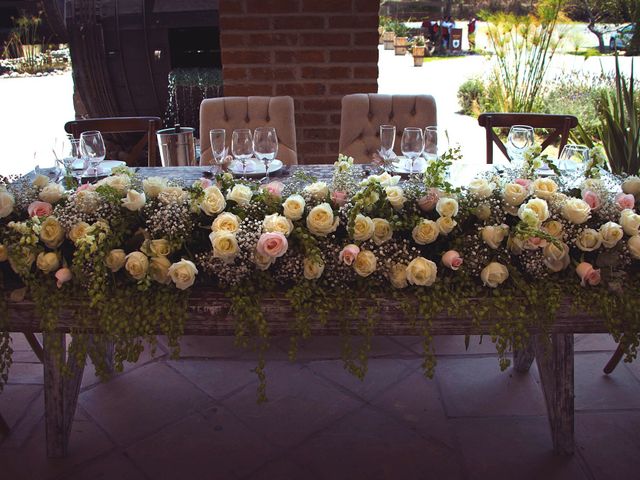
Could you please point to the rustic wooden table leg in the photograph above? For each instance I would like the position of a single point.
(554, 357)
(60, 393)
(522, 359)
(35, 345)
(615, 359)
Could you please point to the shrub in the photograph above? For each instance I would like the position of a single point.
(472, 94)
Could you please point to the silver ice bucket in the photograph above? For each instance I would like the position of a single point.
(177, 147)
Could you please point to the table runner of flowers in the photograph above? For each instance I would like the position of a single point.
(134, 247)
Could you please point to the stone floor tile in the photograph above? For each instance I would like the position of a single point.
(24, 356)
(507, 448)
(109, 467)
(454, 345)
(330, 348)
(476, 387)
(633, 367)
(370, 445)
(381, 375)
(610, 443)
(212, 445)
(133, 405)
(282, 469)
(300, 403)
(26, 373)
(218, 378)
(27, 424)
(594, 390)
(15, 401)
(585, 342)
(417, 402)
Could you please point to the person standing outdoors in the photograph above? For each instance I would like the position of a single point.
(472, 33)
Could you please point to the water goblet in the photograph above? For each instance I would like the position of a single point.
(92, 148)
(242, 147)
(265, 146)
(520, 138)
(217, 136)
(412, 144)
(573, 160)
(387, 141)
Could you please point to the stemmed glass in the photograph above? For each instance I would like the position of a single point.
(92, 148)
(265, 146)
(218, 136)
(573, 160)
(75, 155)
(520, 138)
(387, 140)
(242, 147)
(436, 142)
(412, 144)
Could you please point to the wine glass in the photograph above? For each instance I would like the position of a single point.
(79, 163)
(242, 146)
(520, 138)
(218, 136)
(265, 146)
(412, 144)
(92, 148)
(573, 159)
(387, 140)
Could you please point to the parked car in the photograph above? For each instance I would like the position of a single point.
(621, 37)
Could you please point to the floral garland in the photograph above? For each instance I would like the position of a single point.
(502, 236)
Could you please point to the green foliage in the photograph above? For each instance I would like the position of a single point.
(400, 29)
(472, 97)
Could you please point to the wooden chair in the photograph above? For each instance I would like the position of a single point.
(558, 124)
(147, 125)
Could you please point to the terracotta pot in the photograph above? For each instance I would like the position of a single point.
(387, 39)
(400, 45)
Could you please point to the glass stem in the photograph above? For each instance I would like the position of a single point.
(266, 170)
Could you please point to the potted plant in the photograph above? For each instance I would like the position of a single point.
(401, 42)
(417, 50)
(389, 35)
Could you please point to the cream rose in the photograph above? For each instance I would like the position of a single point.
(160, 247)
(47, 262)
(40, 181)
(421, 271)
(630, 222)
(556, 258)
(241, 194)
(312, 270)
(544, 188)
(588, 240)
(159, 270)
(536, 205)
(78, 231)
(553, 228)
(226, 222)
(365, 263)
(7, 202)
(480, 188)
(152, 186)
(225, 245)
(514, 194)
(293, 207)
(576, 211)
(134, 201)
(277, 223)
(494, 235)
(137, 264)
(51, 232)
(446, 225)
(425, 232)
(51, 193)
(447, 207)
(382, 231)
(631, 185)
(183, 274)
(170, 195)
(483, 211)
(119, 182)
(515, 245)
(213, 201)
(611, 234)
(395, 195)
(633, 244)
(398, 275)
(363, 228)
(321, 221)
(318, 191)
(263, 262)
(494, 274)
(115, 259)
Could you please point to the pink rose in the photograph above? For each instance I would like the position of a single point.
(203, 182)
(272, 244)
(349, 254)
(85, 186)
(625, 200)
(588, 274)
(339, 198)
(452, 260)
(39, 209)
(274, 188)
(429, 201)
(523, 182)
(592, 199)
(534, 243)
(63, 275)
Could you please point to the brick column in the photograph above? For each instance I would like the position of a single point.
(314, 50)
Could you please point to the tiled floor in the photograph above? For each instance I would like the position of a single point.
(197, 418)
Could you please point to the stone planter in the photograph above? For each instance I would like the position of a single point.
(418, 56)
(388, 39)
(400, 45)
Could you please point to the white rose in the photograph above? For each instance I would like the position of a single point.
(494, 274)
(536, 205)
(494, 235)
(630, 222)
(170, 195)
(115, 259)
(365, 263)
(152, 186)
(556, 259)
(118, 182)
(87, 201)
(483, 212)
(277, 223)
(515, 245)
(226, 222)
(611, 234)
(318, 191)
(576, 211)
(241, 194)
(425, 232)
(363, 228)
(312, 270)
(553, 228)
(398, 275)
(634, 246)
(47, 262)
(446, 225)
(480, 188)
(159, 247)
(51, 232)
(293, 207)
(447, 207)
(7, 202)
(183, 274)
(383, 179)
(263, 262)
(137, 264)
(421, 271)
(544, 188)
(78, 231)
(51, 193)
(134, 201)
(589, 240)
(631, 185)
(514, 194)
(159, 270)
(40, 181)
(213, 201)
(395, 195)
(321, 221)
(225, 245)
(382, 231)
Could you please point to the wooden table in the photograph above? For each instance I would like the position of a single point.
(209, 315)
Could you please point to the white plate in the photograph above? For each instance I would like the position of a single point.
(104, 169)
(402, 165)
(255, 168)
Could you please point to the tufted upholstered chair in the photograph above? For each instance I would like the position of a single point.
(363, 113)
(249, 112)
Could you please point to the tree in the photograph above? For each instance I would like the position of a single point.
(599, 12)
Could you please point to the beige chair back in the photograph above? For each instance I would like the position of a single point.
(231, 113)
(363, 113)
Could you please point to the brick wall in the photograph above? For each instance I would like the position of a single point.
(317, 51)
